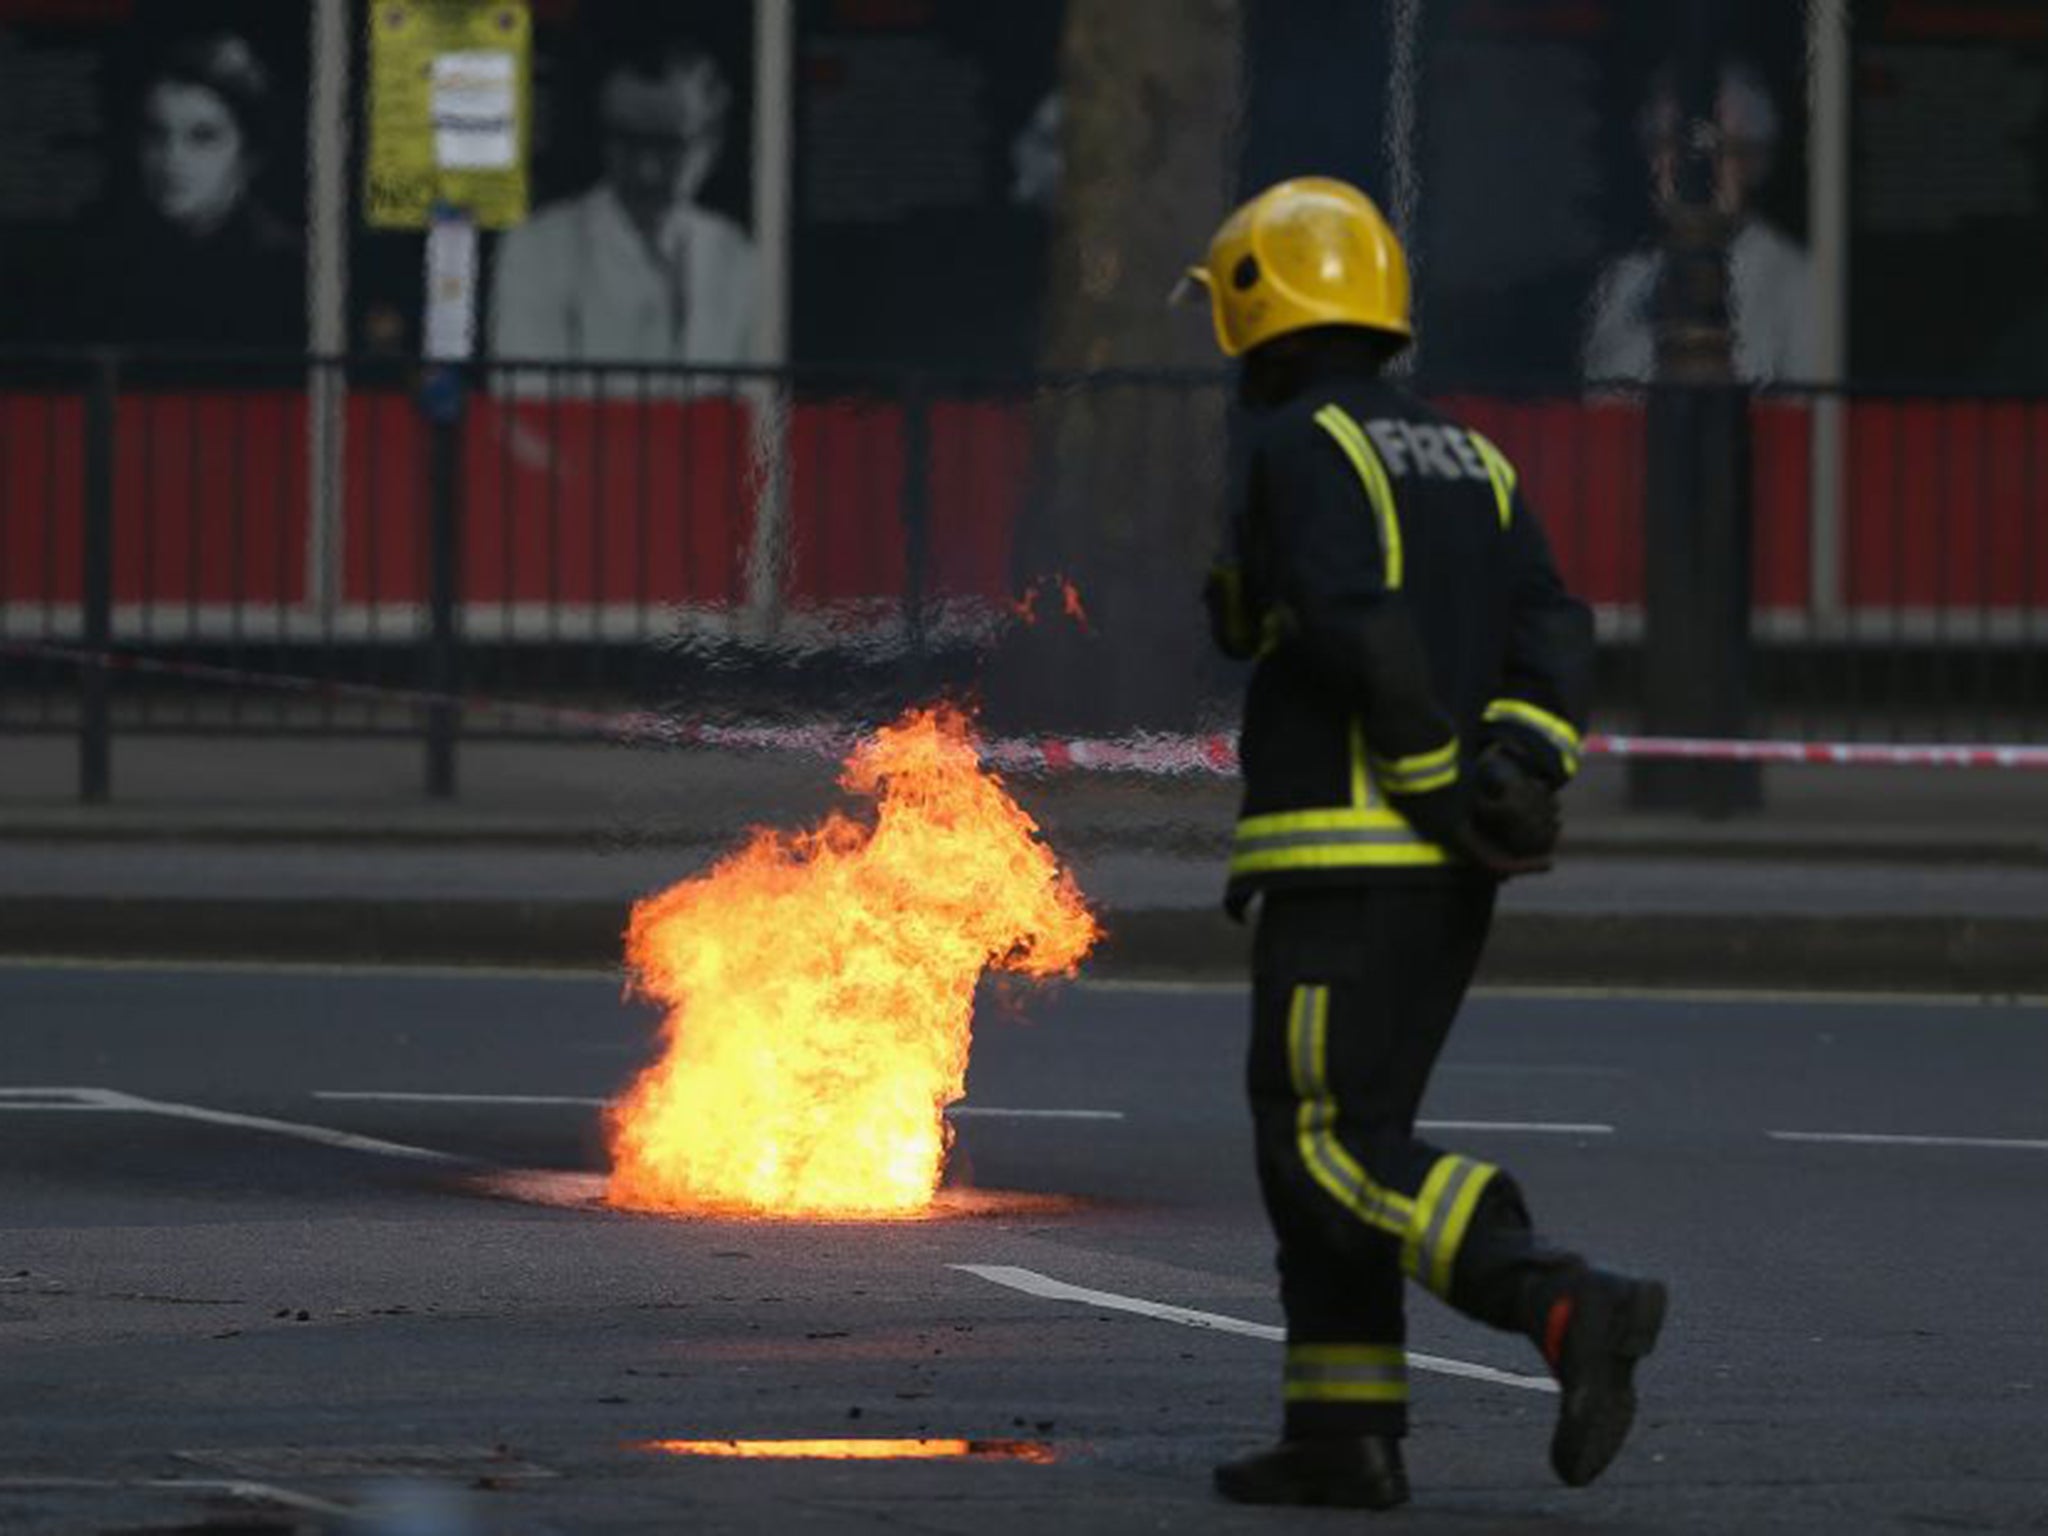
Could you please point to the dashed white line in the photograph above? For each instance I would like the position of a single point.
(376, 1096)
(1517, 1127)
(425, 970)
(1874, 1139)
(1534, 992)
(1032, 1283)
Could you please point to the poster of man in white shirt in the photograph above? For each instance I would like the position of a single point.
(1770, 276)
(636, 268)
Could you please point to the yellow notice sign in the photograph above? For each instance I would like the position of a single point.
(449, 109)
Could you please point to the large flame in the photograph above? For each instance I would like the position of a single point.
(820, 989)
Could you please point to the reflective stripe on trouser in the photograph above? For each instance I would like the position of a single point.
(1346, 1373)
(1430, 1224)
(1326, 1158)
(1443, 1212)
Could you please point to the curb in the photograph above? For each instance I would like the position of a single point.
(1988, 956)
(1927, 847)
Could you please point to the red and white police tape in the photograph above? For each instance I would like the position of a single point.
(1141, 752)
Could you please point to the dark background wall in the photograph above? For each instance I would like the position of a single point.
(917, 237)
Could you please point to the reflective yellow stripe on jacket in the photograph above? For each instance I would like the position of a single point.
(1372, 474)
(1366, 834)
(1555, 729)
(1420, 773)
(1501, 473)
(1343, 838)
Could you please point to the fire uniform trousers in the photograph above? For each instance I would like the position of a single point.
(1406, 615)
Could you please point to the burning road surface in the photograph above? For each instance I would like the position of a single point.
(820, 991)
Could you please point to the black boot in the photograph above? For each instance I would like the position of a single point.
(1360, 1473)
(1596, 1331)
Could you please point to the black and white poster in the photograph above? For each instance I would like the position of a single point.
(1948, 200)
(1548, 151)
(153, 172)
(639, 246)
(928, 167)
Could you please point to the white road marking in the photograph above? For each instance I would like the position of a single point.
(1752, 996)
(374, 1096)
(969, 1111)
(18, 1101)
(232, 1488)
(1518, 1127)
(1531, 992)
(423, 971)
(1523, 1069)
(1032, 1283)
(110, 1101)
(1867, 1139)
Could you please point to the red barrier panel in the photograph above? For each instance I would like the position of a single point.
(1581, 468)
(383, 520)
(847, 507)
(1945, 504)
(576, 501)
(980, 474)
(210, 498)
(42, 497)
(845, 486)
(1781, 508)
(1948, 504)
(624, 501)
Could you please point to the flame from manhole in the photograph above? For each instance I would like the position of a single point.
(1038, 1451)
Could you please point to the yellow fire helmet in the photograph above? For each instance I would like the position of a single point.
(1311, 251)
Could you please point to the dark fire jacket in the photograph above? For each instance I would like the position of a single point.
(1404, 609)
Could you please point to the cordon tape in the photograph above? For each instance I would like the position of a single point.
(1141, 752)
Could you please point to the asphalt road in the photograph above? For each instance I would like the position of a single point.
(202, 1287)
(1158, 877)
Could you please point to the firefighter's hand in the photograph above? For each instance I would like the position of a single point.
(1472, 820)
(1514, 814)
(1475, 845)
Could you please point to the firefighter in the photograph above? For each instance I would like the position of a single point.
(1420, 687)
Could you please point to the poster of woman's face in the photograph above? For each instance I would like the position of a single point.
(196, 158)
(157, 200)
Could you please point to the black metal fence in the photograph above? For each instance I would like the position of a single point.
(350, 546)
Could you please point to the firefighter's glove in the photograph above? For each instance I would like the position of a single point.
(1450, 817)
(1513, 811)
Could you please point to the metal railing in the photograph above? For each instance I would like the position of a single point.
(314, 545)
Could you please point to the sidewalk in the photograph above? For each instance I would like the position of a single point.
(312, 849)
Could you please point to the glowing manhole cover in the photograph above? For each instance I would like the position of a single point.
(923, 1449)
(585, 1191)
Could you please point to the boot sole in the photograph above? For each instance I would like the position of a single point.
(1302, 1493)
(1599, 1414)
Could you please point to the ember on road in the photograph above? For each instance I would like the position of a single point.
(223, 1252)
